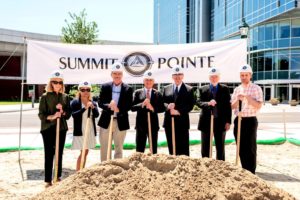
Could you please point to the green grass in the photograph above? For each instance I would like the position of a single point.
(13, 102)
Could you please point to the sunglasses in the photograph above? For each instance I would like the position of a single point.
(85, 90)
(57, 82)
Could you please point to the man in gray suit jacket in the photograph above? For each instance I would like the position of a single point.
(179, 101)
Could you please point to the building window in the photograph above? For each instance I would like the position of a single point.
(295, 61)
(269, 32)
(284, 29)
(295, 75)
(296, 28)
(283, 62)
(268, 61)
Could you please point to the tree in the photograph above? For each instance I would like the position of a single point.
(80, 31)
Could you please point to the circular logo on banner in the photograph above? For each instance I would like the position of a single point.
(137, 63)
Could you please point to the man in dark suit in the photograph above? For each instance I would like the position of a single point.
(115, 99)
(214, 99)
(147, 100)
(179, 101)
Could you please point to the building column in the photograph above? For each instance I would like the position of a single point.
(290, 91)
(272, 91)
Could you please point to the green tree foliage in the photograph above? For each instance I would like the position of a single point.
(79, 31)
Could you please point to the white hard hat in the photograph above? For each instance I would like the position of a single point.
(84, 84)
(214, 71)
(57, 74)
(246, 68)
(177, 70)
(117, 67)
(148, 75)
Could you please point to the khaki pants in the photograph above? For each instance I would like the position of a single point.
(118, 140)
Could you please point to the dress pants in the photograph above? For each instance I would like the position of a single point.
(248, 146)
(141, 138)
(118, 138)
(49, 137)
(181, 140)
(219, 137)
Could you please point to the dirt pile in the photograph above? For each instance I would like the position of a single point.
(163, 177)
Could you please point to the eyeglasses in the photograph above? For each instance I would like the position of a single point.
(85, 90)
(57, 82)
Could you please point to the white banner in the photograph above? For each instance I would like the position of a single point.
(93, 62)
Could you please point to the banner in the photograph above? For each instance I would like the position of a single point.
(92, 62)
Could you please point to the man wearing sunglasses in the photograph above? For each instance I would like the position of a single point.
(115, 99)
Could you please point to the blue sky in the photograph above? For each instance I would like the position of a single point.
(121, 20)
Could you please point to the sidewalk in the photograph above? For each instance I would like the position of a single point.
(17, 107)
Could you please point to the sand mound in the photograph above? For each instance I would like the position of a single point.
(163, 177)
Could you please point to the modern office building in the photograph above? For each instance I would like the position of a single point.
(273, 39)
(180, 21)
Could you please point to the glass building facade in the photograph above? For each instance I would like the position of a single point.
(273, 38)
(175, 22)
(274, 41)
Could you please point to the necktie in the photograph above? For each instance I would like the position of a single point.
(214, 91)
(148, 94)
(176, 93)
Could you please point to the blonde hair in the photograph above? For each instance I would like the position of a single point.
(49, 87)
(78, 96)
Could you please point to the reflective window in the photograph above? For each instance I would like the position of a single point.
(261, 33)
(296, 28)
(282, 92)
(283, 62)
(295, 42)
(260, 75)
(268, 75)
(268, 61)
(283, 75)
(284, 29)
(275, 74)
(295, 75)
(275, 61)
(275, 31)
(260, 61)
(269, 32)
(295, 61)
(284, 42)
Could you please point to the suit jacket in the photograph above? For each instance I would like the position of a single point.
(77, 111)
(223, 107)
(124, 105)
(156, 101)
(184, 104)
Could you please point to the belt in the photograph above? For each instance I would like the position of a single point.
(114, 117)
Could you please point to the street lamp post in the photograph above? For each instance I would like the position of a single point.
(244, 31)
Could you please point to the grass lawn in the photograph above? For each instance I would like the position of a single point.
(13, 102)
